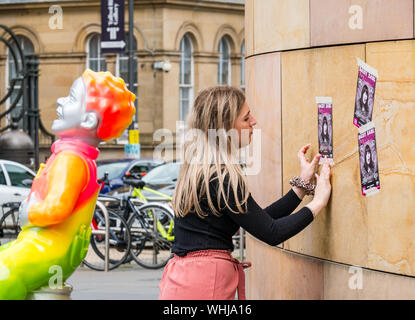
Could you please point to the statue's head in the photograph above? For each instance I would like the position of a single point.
(99, 107)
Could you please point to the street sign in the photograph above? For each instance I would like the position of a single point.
(112, 26)
(113, 44)
(132, 151)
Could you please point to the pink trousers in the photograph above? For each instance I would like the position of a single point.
(203, 275)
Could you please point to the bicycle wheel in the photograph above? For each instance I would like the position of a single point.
(9, 221)
(119, 241)
(151, 242)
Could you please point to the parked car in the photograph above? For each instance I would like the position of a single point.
(116, 169)
(15, 181)
(163, 179)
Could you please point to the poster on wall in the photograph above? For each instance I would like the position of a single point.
(365, 94)
(368, 156)
(325, 128)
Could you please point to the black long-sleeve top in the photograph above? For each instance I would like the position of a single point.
(273, 225)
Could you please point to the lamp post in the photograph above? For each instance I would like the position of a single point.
(131, 50)
(133, 147)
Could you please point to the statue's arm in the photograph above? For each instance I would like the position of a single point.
(67, 178)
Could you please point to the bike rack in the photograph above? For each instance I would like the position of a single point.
(100, 204)
(107, 232)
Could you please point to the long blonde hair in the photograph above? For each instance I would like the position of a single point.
(215, 109)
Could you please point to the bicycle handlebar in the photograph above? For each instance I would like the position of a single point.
(136, 183)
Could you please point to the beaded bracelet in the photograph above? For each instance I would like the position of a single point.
(308, 187)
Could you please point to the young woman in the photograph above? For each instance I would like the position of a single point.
(364, 100)
(369, 166)
(325, 132)
(212, 201)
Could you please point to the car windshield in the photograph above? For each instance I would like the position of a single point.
(17, 175)
(114, 169)
(164, 174)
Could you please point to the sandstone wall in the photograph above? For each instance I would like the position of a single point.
(301, 49)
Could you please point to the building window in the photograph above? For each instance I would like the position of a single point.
(243, 66)
(95, 60)
(27, 48)
(224, 65)
(186, 76)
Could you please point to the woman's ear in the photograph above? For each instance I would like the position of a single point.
(89, 120)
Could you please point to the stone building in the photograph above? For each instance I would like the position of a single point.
(358, 247)
(203, 41)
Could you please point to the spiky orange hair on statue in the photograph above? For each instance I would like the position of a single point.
(110, 98)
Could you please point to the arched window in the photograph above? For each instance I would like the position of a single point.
(122, 66)
(95, 60)
(27, 48)
(186, 76)
(243, 66)
(224, 65)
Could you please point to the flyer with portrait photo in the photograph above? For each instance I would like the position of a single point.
(325, 128)
(365, 94)
(369, 168)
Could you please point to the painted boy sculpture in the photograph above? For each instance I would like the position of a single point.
(64, 192)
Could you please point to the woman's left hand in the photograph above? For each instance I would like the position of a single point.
(308, 168)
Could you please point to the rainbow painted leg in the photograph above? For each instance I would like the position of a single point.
(11, 287)
(25, 264)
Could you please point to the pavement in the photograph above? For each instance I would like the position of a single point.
(127, 282)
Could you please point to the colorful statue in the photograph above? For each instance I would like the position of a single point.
(64, 192)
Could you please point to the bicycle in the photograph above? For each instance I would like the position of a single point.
(119, 237)
(141, 186)
(13, 215)
(152, 241)
(119, 240)
(150, 225)
(138, 187)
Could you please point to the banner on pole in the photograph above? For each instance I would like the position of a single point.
(133, 136)
(112, 26)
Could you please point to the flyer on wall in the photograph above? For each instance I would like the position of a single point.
(325, 128)
(365, 94)
(369, 165)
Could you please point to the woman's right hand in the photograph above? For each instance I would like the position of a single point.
(322, 191)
